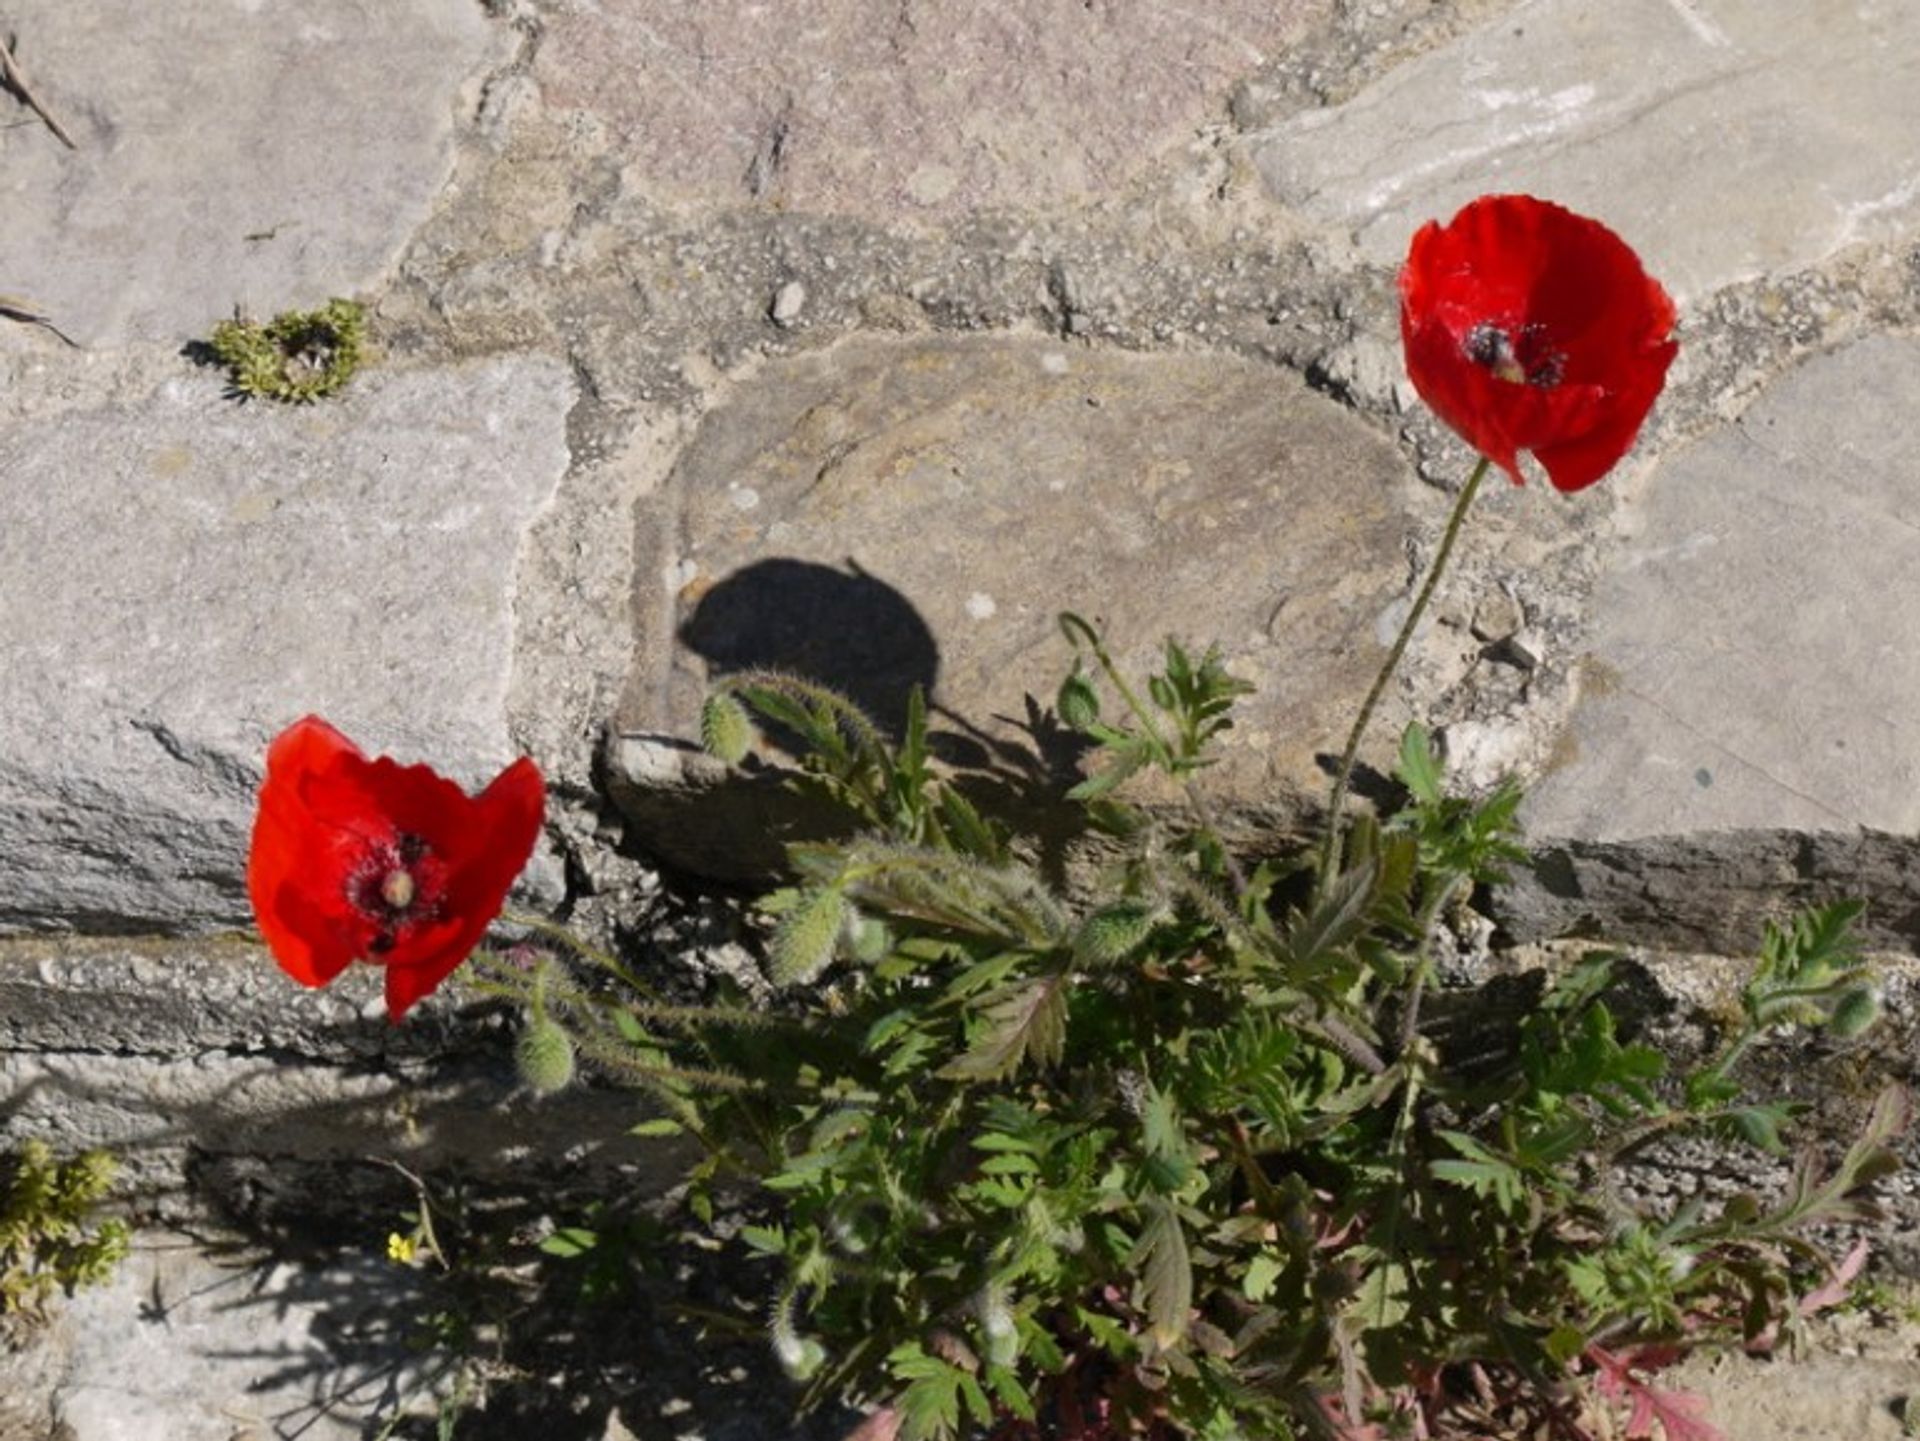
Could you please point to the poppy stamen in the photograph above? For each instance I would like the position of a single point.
(397, 890)
(1519, 357)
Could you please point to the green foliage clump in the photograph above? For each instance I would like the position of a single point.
(48, 1241)
(299, 355)
(1185, 1155)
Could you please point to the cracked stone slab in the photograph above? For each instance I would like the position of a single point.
(183, 576)
(887, 107)
(260, 153)
(896, 513)
(1749, 728)
(1726, 139)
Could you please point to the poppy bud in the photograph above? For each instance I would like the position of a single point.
(544, 1056)
(866, 938)
(1854, 1013)
(804, 940)
(725, 731)
(1112, 933)
(1078, 702)
(997, 1324)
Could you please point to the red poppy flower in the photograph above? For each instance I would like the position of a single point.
(1528, 327)
(369, 860)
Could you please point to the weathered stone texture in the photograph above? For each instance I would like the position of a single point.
(904, 106)
(182, 576)
(1725, 138)
(1752, 686)
(893, 514)
(262, 153)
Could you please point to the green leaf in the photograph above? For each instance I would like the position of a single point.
(1262, 1272)
(1418, 770)
(657, 1126)
(1381, 1300)
(569, 1242)
(1123, 764)
(1482, 1172)
(1024, 1022)
(1336, 921)
(1165, 1270)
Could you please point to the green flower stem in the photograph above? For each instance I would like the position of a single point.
(1331, 844)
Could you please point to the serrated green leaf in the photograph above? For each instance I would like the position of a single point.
(1123, 764)
(1024, 1022)
(1262, 1272)
(1336, 920)
(1165, 1268)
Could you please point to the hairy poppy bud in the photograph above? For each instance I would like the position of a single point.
(1854, 1013)
(725, 731)
(1078, 702)
(544, 1056)
(804, 941)
(1112, 933)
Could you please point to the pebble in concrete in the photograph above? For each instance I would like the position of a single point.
(266, 154)
(1724, 138)
(892, 514)
(182, 576)
(882, 107)
(1752, 671)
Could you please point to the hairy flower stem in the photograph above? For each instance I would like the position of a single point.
(1331, 844)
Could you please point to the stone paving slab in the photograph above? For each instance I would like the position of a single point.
(900, 514)
(1725, 138)
(917, 107)
(180, 1346)
(256, 153)
(182, 576)
(1752, 668)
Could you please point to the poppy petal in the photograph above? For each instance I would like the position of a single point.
(1529, 327)
(335, 831)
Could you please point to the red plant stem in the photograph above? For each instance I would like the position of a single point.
(1331, 844)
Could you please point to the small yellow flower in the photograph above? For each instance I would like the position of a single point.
(401, 1248)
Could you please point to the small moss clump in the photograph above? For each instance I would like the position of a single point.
(47, 1240)
(299, 355)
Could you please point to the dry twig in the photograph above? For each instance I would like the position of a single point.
(12, 307)
(16, 81)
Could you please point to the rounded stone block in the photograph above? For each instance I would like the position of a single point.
(899, 514)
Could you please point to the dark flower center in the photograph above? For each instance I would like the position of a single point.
(398, 885)
(1521, 356)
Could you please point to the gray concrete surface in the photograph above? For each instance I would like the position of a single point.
(627, 263)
